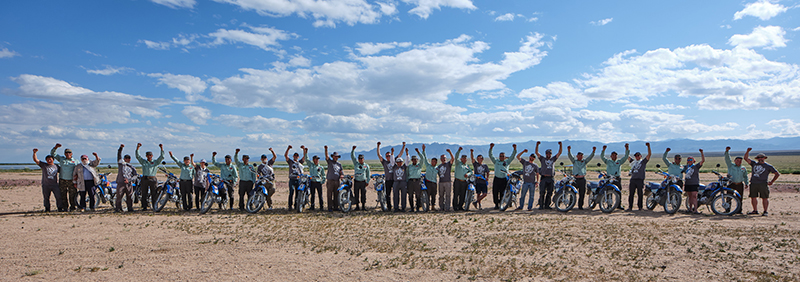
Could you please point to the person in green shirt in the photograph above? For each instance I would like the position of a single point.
(431, 176)
(185, 180)
(315, 170)
(737, 173)
(414, 181)
(613, 165)
(674, 168)
(149, 182)
(360, 179)
(69, 192)
(579, 172)
(501, 165)
(229, 174)
(247, 176)
(462, 171)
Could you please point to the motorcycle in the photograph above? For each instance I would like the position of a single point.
(302, 193)
(604, 193)
(103, 191)
(512, 189)
(168, 191)
(215, 185)
(566, 194)
(345, 194)
(259, 194)
(426, 201)
(379, 185)
(667, 193)
(721, 199)
(137, 190)
(470, 195)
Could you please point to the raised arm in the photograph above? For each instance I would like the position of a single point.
(236, 157)
(275, 157)
(471, 155)
(305, 157)
(536, 151)
(191, 159)
(53, 152)
(702, 158)
(327, 158)
(423, 156)
(664, 158)
(286, 154)
(513, 152)
(458, 154)
(591, 156)
(627, 152)
(491, 153)
(519, 156)
(119, 152)
(136, 152)
(603, 153)
(214, 159)
(649, 152)
(96, 161)
(559, 149)
(353, 156)
(728, 161)
(747, 156)
(174, 159)
(452, 160)
(35, 159)
(402, 149)
(378, 150)
(160, 157)
(569, 154)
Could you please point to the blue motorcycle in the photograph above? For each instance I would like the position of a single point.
(214, 194)
(667, 193)
(604, 193)
(380, 185)
(512, 189)
(426, 201)
(302, 193)
(721, 199)
(168, 191)
(346, 194)
(470, 195)
(101, 191)
(259, 194)
(565, 195)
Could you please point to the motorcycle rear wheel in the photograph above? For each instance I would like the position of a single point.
(507, 200)
(344, 200)
(651, 202)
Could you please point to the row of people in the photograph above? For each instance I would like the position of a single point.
(404, 177)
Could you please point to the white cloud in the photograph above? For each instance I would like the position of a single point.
(532, 19)
(109, 70)
(266, 38)
(256, 123)
(763, 10)
(796, 28)
(196, 114)
(5, 53)
(188, 84)
(325, 12)
(366, 48)
(92, 53)
(176, 4)
(505, 18)
(424, 8)
(602, 22)
(787, 127)
(156, 45)
(769, 37)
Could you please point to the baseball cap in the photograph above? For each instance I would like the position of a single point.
(67, 151)
(548, 151)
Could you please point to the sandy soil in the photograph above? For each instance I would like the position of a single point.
(280, 245)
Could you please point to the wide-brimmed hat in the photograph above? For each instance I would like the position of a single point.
(761, 155)
(398, 160)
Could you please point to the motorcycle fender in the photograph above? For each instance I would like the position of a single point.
(677, 188)
(574, 190)
(726, 189)
(615, 188)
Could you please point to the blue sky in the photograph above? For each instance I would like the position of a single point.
(202, 76)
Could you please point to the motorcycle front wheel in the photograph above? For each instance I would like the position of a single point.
(468, 199)
(255, 203)
(507, 201)
(673, 202)
(565, 201)
(344, 200)
(609, 200)
(208, 201)
(161, 201)
(300, 201)
(726, 204)
(426, 202)
(382, 200)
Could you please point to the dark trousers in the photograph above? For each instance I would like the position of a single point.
(124, 190)
(498, 188)
(431, 188)
(414, 192)
(580, 183)
(360, 192)
(618, 181)
(88, 186)
(244, 189)
(738, 187)
(186, 194)
(69, 194)
(459, 193)
(332, 186)
(400, 190)
(546, 192)
(388, 188)
(316, 186)
(635, 186)
(199, 195)
(293, 183)
(46, 190)
(229, 186)
(147, 185)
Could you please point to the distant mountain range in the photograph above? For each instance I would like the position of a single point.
(711, 147)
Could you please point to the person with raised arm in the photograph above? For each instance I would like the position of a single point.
(69, 193)
(49, 181)
(579, 172)
(247, 177)
(333, 178)
(414, 181)
(295, 170)
(265, 169)
(614, 164)
(315, 171)
(185, 179)
(638, 169)
(674, 168)
(229, 174)
(501, 165)
(388, 166)
(361, 175)
(85, 178)
(481, 185)
(126, 175)
(759, 187)
(199, 181)
(547, 171)
(431, 176)
(530, 174)
(149, 181)
(445, 182)
(737, 174)
(400, 175)
(692, 182)
(461, 171)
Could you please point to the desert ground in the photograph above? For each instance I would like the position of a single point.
(281, 245)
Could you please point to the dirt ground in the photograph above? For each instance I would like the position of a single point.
(280, 245)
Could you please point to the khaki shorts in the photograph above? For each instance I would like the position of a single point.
(759, 190)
